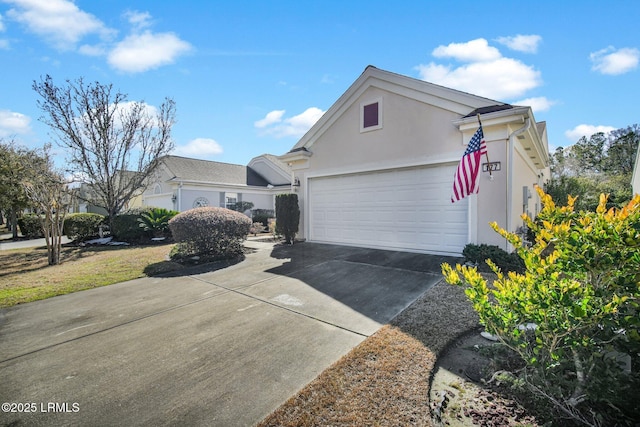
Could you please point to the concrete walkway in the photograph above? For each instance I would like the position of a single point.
(7, 243)
(216, 348)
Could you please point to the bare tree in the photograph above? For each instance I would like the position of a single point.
(50, 197)
(113, 143)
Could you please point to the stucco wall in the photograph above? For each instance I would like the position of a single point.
(492, 196)
(412, 132)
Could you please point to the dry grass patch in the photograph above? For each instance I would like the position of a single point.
(25, 275)
(385, 380)
(374, 384)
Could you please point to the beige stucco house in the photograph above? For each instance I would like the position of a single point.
(635, 180)
(377, 169)
(183, 183)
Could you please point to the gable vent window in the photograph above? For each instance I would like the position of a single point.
(371, 115)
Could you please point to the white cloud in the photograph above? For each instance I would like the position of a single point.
(272, 117)
(537, 104)
(12, 123)
(199, 147)
(62, 24)
(138, 20)
(2, 27)
(486, 72)
(472, 51)
(295, 126)
(141, 52)
(586, 130)
(613, 62)
(521, 43)
(502, 78)
(59, 22)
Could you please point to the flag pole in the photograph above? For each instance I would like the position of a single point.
(486, 152)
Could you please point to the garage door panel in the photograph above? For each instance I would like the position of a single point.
(408, 209)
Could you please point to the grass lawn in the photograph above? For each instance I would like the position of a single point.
(25, 275)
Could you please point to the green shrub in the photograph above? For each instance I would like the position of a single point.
(156, 221)
(126, 226)
(210, 232)
(287, 216)
(262, 215)
(82, 226)
(581, 290)
(479, 254)
(31, 226)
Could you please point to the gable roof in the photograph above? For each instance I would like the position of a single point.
(196, 170)
(272, 169)
(450, 99)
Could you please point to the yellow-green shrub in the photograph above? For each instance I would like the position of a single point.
(581, 289)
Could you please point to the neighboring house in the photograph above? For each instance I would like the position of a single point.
(82, 202)
(635, 180)
(182, 183)
(377, 169)
(86, 197)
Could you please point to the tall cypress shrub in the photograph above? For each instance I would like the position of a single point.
(287, 216)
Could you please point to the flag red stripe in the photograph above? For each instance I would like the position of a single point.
(466, 179)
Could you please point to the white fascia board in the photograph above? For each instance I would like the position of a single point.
(209, 183)
(297, 159)
(445, 159)
(272, 166)
(512, 115)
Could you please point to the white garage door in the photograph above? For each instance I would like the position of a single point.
(407, 209)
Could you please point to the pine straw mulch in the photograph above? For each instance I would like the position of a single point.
(385, 380)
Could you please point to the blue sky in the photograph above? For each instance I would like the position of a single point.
(250, 77)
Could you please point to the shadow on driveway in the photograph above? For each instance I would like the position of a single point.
(376, 283)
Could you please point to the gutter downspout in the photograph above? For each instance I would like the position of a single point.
(512, 138)
(180, 196)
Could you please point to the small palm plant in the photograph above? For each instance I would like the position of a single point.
(156, 221)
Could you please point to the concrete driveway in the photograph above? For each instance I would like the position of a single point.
(223, 347)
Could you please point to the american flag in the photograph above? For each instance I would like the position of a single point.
(466, 180)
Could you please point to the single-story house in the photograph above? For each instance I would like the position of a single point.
(183, 183)
(377, 169)
(635, 180)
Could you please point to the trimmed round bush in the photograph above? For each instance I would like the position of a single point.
(210, 232)
(82, 226)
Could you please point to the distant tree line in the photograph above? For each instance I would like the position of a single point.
(602, 163)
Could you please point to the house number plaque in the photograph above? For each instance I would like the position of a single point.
(491, 167)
